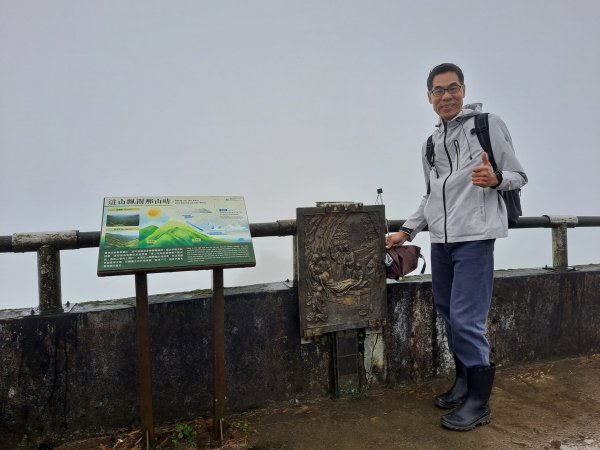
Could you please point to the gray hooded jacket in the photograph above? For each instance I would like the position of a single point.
(454, 209)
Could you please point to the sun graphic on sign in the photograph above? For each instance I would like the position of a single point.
(153, 213)
(154, 216)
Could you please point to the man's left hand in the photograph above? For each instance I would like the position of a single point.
(483, 175)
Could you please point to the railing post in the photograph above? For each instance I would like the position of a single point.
(47, 245)
(560, 257)
(50, 296)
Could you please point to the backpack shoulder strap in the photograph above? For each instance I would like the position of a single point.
(429, 151)
(482, 130)
(430, 155)
(511, 198)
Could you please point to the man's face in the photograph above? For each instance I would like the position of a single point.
(446, 105)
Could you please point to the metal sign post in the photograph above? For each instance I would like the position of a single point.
(144, 360)
(218, 313)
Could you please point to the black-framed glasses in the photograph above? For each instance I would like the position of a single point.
(452, 90)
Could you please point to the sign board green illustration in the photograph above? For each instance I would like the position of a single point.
(164, 234)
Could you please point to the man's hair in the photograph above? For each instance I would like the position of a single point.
(443, 68)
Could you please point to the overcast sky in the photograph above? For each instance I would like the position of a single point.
(284, 102)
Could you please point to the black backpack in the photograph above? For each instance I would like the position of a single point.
(512, 199)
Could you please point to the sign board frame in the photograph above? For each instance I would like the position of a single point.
(169, 234)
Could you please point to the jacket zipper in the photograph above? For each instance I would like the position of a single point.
(444, 185)
(457, 150)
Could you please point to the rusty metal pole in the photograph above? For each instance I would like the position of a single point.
(144, 360)
(50, 297)
(218, 307)
(295, 261)
(560, 258)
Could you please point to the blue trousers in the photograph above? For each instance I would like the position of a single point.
(463, 280)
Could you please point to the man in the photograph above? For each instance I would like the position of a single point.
(465, 214)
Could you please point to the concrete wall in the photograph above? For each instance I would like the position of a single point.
(75, 373)
(536, 315)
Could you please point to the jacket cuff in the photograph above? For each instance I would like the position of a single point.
(408, 231)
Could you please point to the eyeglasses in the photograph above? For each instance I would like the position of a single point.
(452, 90)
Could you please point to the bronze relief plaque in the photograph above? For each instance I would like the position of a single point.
(341, 269)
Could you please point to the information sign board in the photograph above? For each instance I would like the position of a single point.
(164, 234)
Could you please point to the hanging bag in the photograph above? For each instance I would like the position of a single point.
(403, 259)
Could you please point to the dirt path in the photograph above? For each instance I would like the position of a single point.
(546, 406)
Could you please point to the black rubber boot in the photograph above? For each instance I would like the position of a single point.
(475, 410)
(457, 393)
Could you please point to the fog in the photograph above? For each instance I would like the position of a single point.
(285, 103)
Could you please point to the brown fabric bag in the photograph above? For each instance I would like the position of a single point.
(405, 259)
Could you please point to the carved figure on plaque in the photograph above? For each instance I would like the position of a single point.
(317, 309)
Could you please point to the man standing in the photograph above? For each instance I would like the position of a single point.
(465, 214)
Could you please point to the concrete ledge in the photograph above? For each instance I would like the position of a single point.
(75, 373)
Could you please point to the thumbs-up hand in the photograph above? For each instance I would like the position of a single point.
(483, 175)
(486, 161)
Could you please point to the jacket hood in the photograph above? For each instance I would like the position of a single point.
(470, 109)
(467, 111)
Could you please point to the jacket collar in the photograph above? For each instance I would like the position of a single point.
(467, 111)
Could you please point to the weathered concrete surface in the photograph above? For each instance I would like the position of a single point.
(76, 372)
(536, 314)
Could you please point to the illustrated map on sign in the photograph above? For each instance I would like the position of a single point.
(164, 229)
(162, 232)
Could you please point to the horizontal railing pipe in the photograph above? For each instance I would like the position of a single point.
(588, 221)
(89, 239)
(279, 228)
(70, 240)
(6, 244)
(31, 242)
(49, 244)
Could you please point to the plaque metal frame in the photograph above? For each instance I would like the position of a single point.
(341, 271)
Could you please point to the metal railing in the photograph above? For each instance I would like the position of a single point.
(49, 244)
